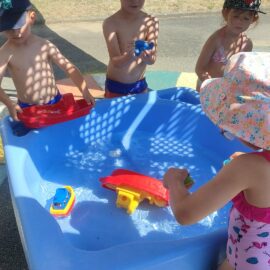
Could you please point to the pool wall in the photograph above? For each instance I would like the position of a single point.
(168, 114)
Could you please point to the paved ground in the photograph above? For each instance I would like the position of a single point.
(181, 38)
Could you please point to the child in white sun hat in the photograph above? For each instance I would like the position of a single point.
(239, 104)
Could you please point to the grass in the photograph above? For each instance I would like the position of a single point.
(73, 10)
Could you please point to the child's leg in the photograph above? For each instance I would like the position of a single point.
(225, 266)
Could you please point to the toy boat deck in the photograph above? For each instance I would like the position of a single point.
(132, 188)
(45, 115)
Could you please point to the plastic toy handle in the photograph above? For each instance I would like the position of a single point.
(188, 181)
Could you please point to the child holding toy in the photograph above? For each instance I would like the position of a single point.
(28, 59)
(126, 69)
(238, 15)
(239, 104)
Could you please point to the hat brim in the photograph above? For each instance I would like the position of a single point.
(12, 20)
(211, 94)
(221, 104)
(251, 9)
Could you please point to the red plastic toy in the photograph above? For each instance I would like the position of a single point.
(45, 115)
(132, 188)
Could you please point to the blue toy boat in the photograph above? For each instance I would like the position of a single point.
(63, 201)
(147, 134)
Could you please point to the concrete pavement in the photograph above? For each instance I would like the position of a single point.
(181, 38)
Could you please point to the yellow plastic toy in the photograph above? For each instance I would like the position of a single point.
(128, 199)
(132, 188)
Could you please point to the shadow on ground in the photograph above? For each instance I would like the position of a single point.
(11, 251)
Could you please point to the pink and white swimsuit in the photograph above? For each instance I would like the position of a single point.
(220, 55)
(248, 246)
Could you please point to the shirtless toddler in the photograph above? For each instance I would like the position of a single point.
(125, 72)
(28, 59)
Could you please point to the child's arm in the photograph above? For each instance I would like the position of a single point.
(117, 59)
(149, 56)
(72, 71)
(248, 45)
(204, 59)
(13, 108)
(189, 208)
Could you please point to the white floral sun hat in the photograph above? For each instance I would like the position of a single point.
(239, 102)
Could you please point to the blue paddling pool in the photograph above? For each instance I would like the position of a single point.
(147, 133)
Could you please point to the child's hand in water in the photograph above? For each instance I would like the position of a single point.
(175, 176)
(13, 109)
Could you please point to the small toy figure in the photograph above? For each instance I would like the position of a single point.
(63, 201)
(141, 45)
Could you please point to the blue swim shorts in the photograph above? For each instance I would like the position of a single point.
(126, 88)
(52, 101)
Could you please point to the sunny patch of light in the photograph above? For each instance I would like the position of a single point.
(145, 226)
(209, 220)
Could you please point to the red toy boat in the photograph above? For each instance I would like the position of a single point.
(45, 115)
(132, 188)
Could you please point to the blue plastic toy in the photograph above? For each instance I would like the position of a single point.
(141, 45)
(63, 201)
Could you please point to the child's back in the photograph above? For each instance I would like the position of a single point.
(239, 105)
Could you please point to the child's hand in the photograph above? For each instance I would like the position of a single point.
(146, 56)
(88, 97)
(13, 110)
(130, 49)
(175, 176)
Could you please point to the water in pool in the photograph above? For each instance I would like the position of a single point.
(146, 153)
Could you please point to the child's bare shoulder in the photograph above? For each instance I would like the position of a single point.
(45, 44)
(150, 17)
(217, 35)
(5, 47)
(111, 20)
(40, 40)
(247, 44)
(5, 51)
(214, 39)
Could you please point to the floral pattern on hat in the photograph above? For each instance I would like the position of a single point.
(240, 101)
